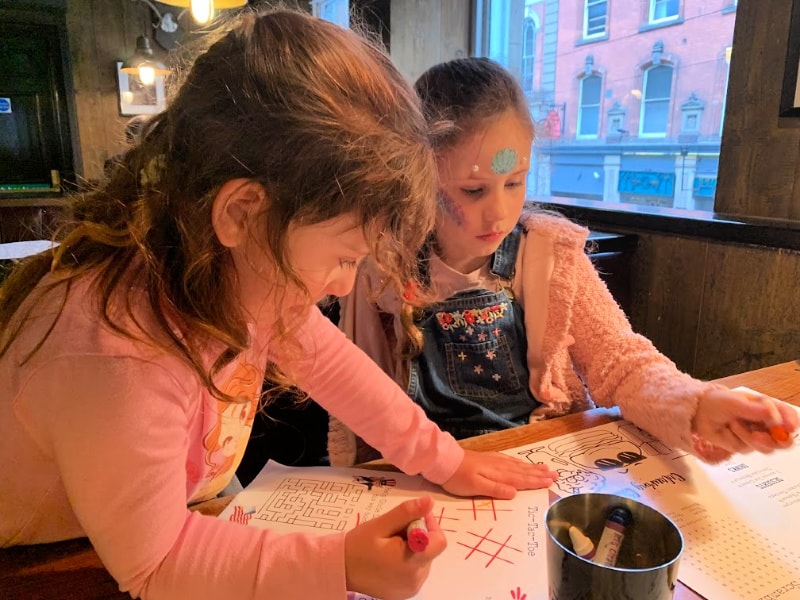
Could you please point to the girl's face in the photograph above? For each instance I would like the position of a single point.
(325, 255)
(482, 191)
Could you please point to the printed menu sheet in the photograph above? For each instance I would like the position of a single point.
(740, 519)
(495, 548)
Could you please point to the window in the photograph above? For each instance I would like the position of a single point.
(528, 55)
(627, 132)
(655, 101)
(589, 112)
(663, 10)
(336, 11)
(594, 18)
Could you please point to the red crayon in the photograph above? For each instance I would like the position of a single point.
(417, 535)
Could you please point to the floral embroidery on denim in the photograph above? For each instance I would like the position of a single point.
(471, 316)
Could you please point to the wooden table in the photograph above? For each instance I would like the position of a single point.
(72, 569)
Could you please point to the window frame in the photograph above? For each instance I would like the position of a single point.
(581, 107)
(724, 105)
(645, 100)
(528, 28)
(586, 6)
(652, 20)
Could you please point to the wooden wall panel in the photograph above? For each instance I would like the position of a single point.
(750, 310)
(716, 309)
(667, 291)
(759, 173)
(100, 33)
(455, 34)
(427, 32)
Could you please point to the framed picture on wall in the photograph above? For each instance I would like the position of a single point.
(135, 98)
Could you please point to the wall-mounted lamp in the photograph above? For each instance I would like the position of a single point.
(203, 9)
(143, 63)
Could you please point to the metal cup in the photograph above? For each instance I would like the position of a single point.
(647, 563)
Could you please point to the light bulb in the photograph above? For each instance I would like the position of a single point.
(201, 11)
(147, 75)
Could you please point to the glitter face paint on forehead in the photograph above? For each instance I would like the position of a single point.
(504, 161)
(499, 150)
(451, 208)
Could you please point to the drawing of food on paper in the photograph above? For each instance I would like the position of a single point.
(600, 459)
(496, 548)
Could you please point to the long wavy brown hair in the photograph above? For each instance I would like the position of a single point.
(316, 114)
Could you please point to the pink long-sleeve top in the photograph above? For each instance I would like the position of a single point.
(578, 338)
(110, 437)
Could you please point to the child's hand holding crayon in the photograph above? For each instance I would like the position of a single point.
(743, 420)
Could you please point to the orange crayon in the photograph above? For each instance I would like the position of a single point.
(779, 434)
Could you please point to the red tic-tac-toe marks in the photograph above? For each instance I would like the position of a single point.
(484, 505)
(440, 518)
(482, 544)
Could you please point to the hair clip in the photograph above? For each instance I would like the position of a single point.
(410, 291)
(150, 175)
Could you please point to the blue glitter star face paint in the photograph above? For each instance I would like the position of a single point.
(504, 161)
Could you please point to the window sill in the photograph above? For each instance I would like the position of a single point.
(660, 24)
(628, 218)
(592, 40)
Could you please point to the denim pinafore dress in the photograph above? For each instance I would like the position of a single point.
(472, 375)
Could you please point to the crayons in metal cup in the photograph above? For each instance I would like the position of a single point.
(648, 560)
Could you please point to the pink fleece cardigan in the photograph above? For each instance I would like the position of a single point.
(581, 348)
(110, 438)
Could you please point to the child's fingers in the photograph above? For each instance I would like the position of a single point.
(747, 420)
(397, 520)
(492, 488)
(497, 475)
(752, 439)
(758, 407)
(523, 475)
(774, 430)
(790, 416)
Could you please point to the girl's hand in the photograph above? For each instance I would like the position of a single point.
(740, 421)
(377, 559)
(497, 475)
